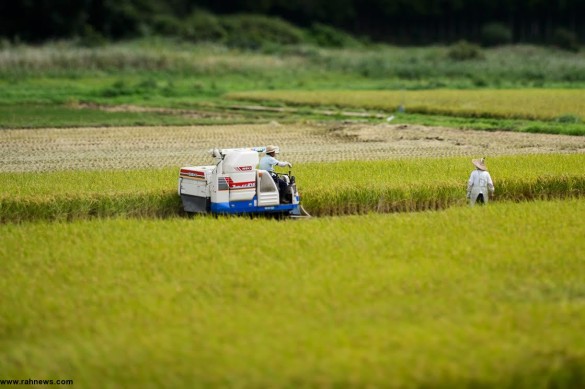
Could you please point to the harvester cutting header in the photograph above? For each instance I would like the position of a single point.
(235, 185)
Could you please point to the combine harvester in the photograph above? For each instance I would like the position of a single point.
(234, 185)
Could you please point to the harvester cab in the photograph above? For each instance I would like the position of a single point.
(234, 185)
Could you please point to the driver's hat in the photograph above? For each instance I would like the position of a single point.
(272, 149)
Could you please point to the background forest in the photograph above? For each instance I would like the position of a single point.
(412, 22)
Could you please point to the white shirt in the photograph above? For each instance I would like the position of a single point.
(267, 163)
(480, 181)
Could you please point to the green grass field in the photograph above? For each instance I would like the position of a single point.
(483, 297)
(51, 79)
(43, 115)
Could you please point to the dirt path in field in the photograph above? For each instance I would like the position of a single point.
(156, 147)
(204, 114)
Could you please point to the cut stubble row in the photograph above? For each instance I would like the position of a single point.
(104, 148)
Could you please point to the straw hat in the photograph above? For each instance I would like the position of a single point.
(479, 163)
(272, 149)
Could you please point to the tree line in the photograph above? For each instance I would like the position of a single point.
(391, 21)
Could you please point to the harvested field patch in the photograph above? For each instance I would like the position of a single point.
(52, 149)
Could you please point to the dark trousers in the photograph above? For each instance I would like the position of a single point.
(280, 183)
(480, 199)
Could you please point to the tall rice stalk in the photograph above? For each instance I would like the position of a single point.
(327, 189)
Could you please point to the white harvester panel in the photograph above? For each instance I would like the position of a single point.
(195, 188)
(242, 185)
(194, 181)
(240, 161)
(267, 190)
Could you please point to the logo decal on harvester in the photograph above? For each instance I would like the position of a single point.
(243, 168)
(240, 185)
(192, 173)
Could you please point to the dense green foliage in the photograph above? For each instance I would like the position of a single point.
(485, 297)
(413, 21)
(326, 189)
(162, 65)
(382, 66)
(465, 51)
(494, 34)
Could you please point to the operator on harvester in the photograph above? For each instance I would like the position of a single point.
(480, 183)
(268, 162)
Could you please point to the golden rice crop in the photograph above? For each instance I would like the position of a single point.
(426, 183)
(487, 297)
(543, 104)
(326, 189)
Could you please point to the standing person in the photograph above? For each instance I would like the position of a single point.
(480, 183)
(268, 162)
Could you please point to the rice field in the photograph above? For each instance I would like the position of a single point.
(545, 104)
(341, 188)
(107, 283)
(458, 298)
